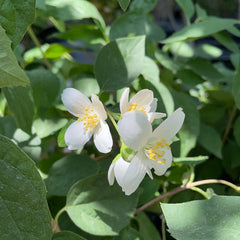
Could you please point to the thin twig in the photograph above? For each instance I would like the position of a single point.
(188, 186)
(37, 43)
(229, 124)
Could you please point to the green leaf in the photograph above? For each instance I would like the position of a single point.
(56, 51)
(86, 84)
(128, 234)
(191, 160)
(146, 228)
(65, 235)
(124, 4)
(201, 29)
(106, 207)
(14, 19)
(167, 62)
(60, 139)
(236, 130)
(20, 102)
(116, 66)
(45, 86)
(47, 126)
(204, 69)
(207, 51)
(73, 10)
(68, 170)
(226, 41)
(11, 73)
(187, 7)
(236, 85)
(135, 24)
(216, 218)
(190, 129)
(143, 6)
(210, 139)
(23, 204)
(150, 70)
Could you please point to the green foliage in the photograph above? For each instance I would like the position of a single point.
(11, 73)
(203, 220)
(92, 200)
(65, 235)
(23, 201)
(14, 20)
(124, 4)
(116, 63)
(20, 101)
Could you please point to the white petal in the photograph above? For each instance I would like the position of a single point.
(76, 136)
(153, 105)
(103, 138)
(98, 107)
(124, 101)
(74, 101)
(169, 127)
(155, 115)
(160, 169)
(135, 129)
(143, 97)
(111, 176)
(134, 174)
(120, 169)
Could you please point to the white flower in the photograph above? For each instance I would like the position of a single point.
(152, 148)
(91, 121)
(141, 101)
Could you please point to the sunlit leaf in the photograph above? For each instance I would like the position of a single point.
(93, 200)
(216, 218)
(201, 29)
(23, 196)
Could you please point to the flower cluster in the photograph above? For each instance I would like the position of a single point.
(150, 149)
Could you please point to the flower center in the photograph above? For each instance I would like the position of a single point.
(156, 151)
(134, 106)
(89, 119)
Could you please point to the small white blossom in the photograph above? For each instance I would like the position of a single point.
(152, 148)
(91, 121)
(141, 101)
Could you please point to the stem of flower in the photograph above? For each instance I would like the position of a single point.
(188, 186)
(37, 43)
(113, 121)
(57, 217)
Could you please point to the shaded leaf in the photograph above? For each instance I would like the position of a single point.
(11, 73)
(191, 126)
(23, 196)
(187, 7)
(210, 139)
(65, 235)
(143, 6)
(20, 102)
(116, 66)
(124, 4)
(68, 170)
(14, 19)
